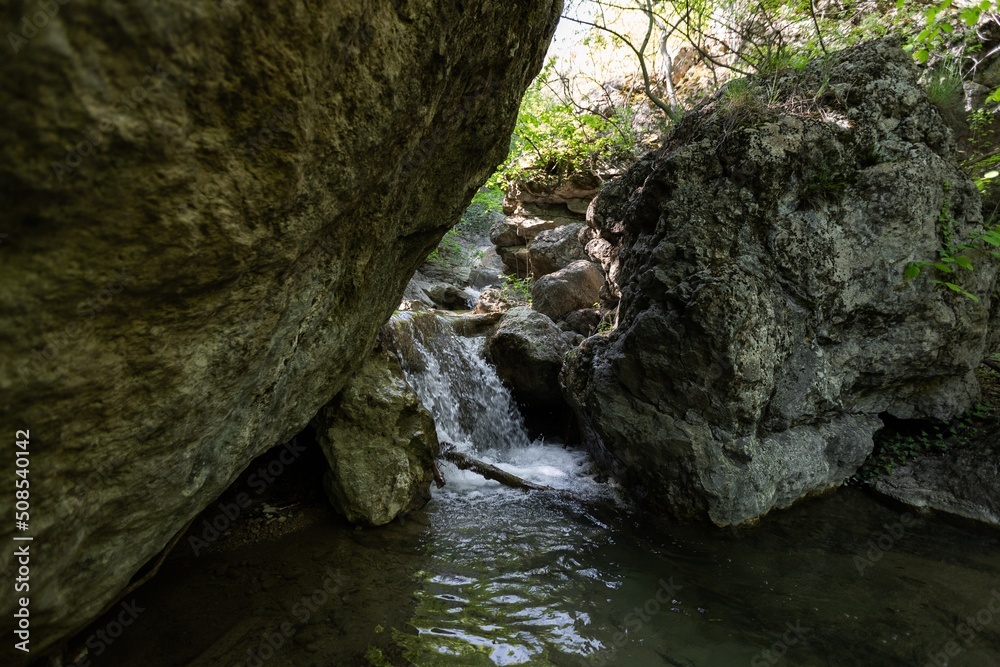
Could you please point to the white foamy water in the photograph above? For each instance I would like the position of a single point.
(476, 414)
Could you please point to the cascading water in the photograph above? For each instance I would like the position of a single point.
(474, 412)
(472, 409)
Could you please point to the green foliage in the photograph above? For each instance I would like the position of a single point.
(940, 22)
(954, 255)
(486, 205)
(981, 164)
(943, 83)
(552, 138)
(897, 447)
(516, 290)
(449, 251)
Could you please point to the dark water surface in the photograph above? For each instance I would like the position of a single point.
(487, 576)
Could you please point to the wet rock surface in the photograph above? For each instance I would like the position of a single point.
(380, 443)
(527, 349)
(764, 319)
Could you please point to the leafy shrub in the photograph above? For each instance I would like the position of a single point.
(553, 138)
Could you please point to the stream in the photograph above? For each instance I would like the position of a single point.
(486, 575)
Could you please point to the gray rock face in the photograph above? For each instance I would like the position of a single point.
(963, 482)
(380, 443)
(527, 349)
(571, 288)
(584, 321)
(209, 212)
(764, 319)
(555, 249)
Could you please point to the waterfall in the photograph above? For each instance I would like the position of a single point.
(472, 409)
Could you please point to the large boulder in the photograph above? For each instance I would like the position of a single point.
(380, 443)
(765, 320)
(527, 349)
(201, 245)
(571, 288)
(555, 249)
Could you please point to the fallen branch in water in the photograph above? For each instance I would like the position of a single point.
(492, 472)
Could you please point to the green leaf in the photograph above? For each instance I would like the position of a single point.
(970, 15)
(912, 271)
(992, 237)
(921, 55)
(993, 173)
(944, 268)
(956, 288)
(964, 262)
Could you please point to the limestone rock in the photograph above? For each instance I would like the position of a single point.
(764, 320)
(964, 482)
(571, 288)
(210, 209)
(380, 443)
(506, 233)
(556, 249)
(527, 349)
(492, 300)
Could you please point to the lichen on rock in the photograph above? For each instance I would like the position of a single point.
(764, 320)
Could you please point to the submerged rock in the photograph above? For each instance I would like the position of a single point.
(527, 349)
(380, 443)
(210, 209)
(764, 318)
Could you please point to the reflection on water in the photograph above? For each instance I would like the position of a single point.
(514, 578)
